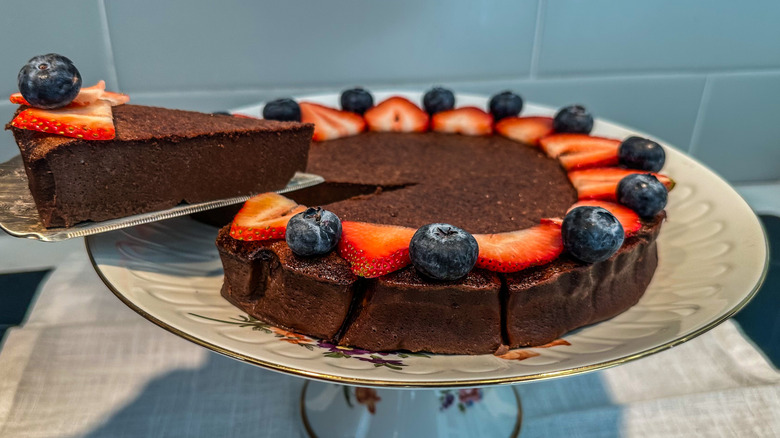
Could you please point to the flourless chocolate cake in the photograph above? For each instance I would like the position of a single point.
(482, 184)
(158, 159)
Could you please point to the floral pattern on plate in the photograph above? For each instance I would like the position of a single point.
(465, 397)
(367, 397)
(378, 359)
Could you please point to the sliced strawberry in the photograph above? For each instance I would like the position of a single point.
(558, 144)
(517, 250)
(602, 183)
(85, 97)
(525, 129)
(115, 98)
(98, 92)
(627, 217)
(88, 95)
(468, 120)
(396, 114)
(92, 122)
(18, 99)
(264, 217)
(330, 123)
(374, 250)
(589, 159)
(581, 151)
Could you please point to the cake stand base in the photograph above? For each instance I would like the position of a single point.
(332, 410)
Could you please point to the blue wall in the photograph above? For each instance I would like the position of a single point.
(703, 75)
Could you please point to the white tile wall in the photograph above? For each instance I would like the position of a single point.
(644, 64)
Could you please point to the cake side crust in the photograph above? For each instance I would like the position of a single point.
(404, 311)
(547, 302)
(264, 279)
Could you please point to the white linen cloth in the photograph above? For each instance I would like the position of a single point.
(84, 365)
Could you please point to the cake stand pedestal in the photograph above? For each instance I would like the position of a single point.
(332, 410)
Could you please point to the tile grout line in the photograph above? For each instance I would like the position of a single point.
(618, 74)
(109, 46)
(697, 124)
(467, 81)
(379, 85)
(537, 47)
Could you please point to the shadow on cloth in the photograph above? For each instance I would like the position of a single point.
(223, 398)
(577, 406)
(227, 398)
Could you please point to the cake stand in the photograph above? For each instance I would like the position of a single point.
(713, 257)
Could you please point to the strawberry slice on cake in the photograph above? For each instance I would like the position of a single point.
(581, 151)
(87, 116)
(264, 217)
(601, 183)
(92, 122)
(85, 97)
(528, 130)
(374, 250)
(396, 114)
(330, 123)
(467, 121)
(517, 250)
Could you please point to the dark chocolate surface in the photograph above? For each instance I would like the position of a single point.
(481, 184)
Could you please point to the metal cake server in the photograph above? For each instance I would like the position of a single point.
(19, 217)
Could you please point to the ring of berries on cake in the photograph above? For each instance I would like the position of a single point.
(450, 229)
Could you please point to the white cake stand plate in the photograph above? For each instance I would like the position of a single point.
(713, 257)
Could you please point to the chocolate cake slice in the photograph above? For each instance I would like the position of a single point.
(159, 159)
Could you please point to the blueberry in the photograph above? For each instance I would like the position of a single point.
(505, 104)
(438, 99)
(49, 81)
(591, 234)
(356, 100)
(285, 110)
(574, 119)
(641, 153)
(642, 193)
(313, 232)
(443, 252)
